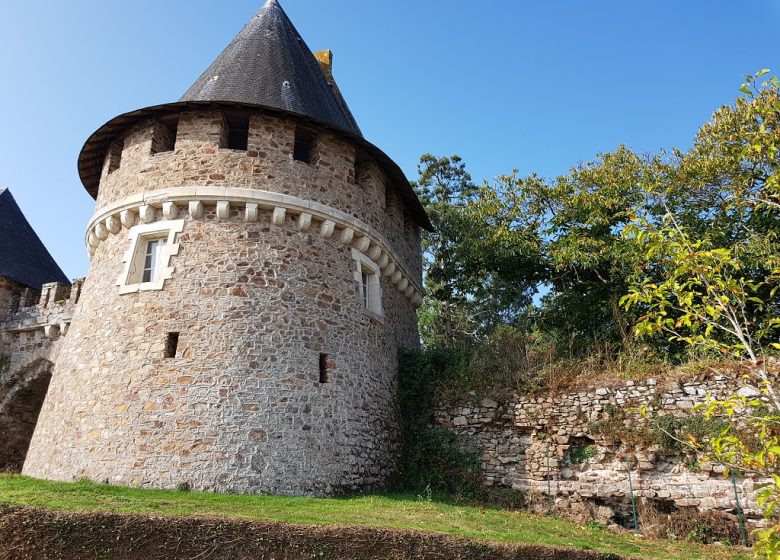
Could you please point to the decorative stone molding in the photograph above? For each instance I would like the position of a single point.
(327, 229)
(279, 216)
(347, 235)
(304, 221)
(133, 258)
(170, 210)
(101, 231)
(114, 224)
(127, 218)
(223, 209)
(311, 216)
(50, 330)
(146, 213)
(196, 210)
(250, 212)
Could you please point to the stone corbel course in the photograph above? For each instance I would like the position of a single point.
(312, 217)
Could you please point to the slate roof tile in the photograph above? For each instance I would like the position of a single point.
(23, 257)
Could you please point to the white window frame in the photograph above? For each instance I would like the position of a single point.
(133, 260)
(370, 299)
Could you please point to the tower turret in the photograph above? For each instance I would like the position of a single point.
(255, 268)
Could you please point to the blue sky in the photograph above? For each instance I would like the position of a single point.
(538, 86)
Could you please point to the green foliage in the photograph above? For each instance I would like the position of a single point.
(478, 272)
(671, 255)
(718, 291)
(433, 459)
(670, 432)
(667, 433)
(701, 294)
(398, 511)
(573, 238)
(580, 455)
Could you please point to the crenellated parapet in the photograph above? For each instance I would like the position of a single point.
(49, 310)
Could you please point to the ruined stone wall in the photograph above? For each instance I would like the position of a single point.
(574, 440)
(264, 301)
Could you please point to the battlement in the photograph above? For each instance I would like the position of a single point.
(50, 309)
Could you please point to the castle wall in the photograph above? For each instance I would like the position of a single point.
(281, 382)
(241, 408)
(581, 441)
(30, 339)
(267, 164)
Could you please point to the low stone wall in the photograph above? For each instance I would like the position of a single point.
(583, 445)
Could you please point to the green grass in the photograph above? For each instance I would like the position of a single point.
(386, 510)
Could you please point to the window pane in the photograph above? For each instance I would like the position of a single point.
(364, 287)
(152, 260)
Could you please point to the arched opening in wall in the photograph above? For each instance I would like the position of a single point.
(20, 405)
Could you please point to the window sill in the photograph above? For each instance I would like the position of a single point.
(374, 316)
(142, 287)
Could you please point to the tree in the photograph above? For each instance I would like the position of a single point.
(480, 269)
(699, 294)
(445, 188)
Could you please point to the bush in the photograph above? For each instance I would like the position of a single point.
(433, 460)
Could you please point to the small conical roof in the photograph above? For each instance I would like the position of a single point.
(23, 257)
(269, 64)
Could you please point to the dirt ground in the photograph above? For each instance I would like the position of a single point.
(28, 533)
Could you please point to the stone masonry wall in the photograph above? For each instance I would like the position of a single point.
(199, 160)
(241, 407)
(30, 340)
(260, 306)
(530, 439)
(9, 291)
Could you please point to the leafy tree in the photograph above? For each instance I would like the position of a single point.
(563, 236)
(479, 269)
(498, 244)
(705, 299)
(445, 188)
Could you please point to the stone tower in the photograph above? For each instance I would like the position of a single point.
(255, 268)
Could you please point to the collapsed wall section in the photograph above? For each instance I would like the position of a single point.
(582, 446)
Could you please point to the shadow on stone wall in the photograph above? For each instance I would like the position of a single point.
(21, 399)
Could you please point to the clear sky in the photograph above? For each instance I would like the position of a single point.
(537, 86)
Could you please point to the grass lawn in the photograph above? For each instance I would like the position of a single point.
(383, 510)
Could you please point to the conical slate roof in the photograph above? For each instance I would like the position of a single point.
(23, 257)
(269, 64)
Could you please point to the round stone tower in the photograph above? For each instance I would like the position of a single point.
(255, 270)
